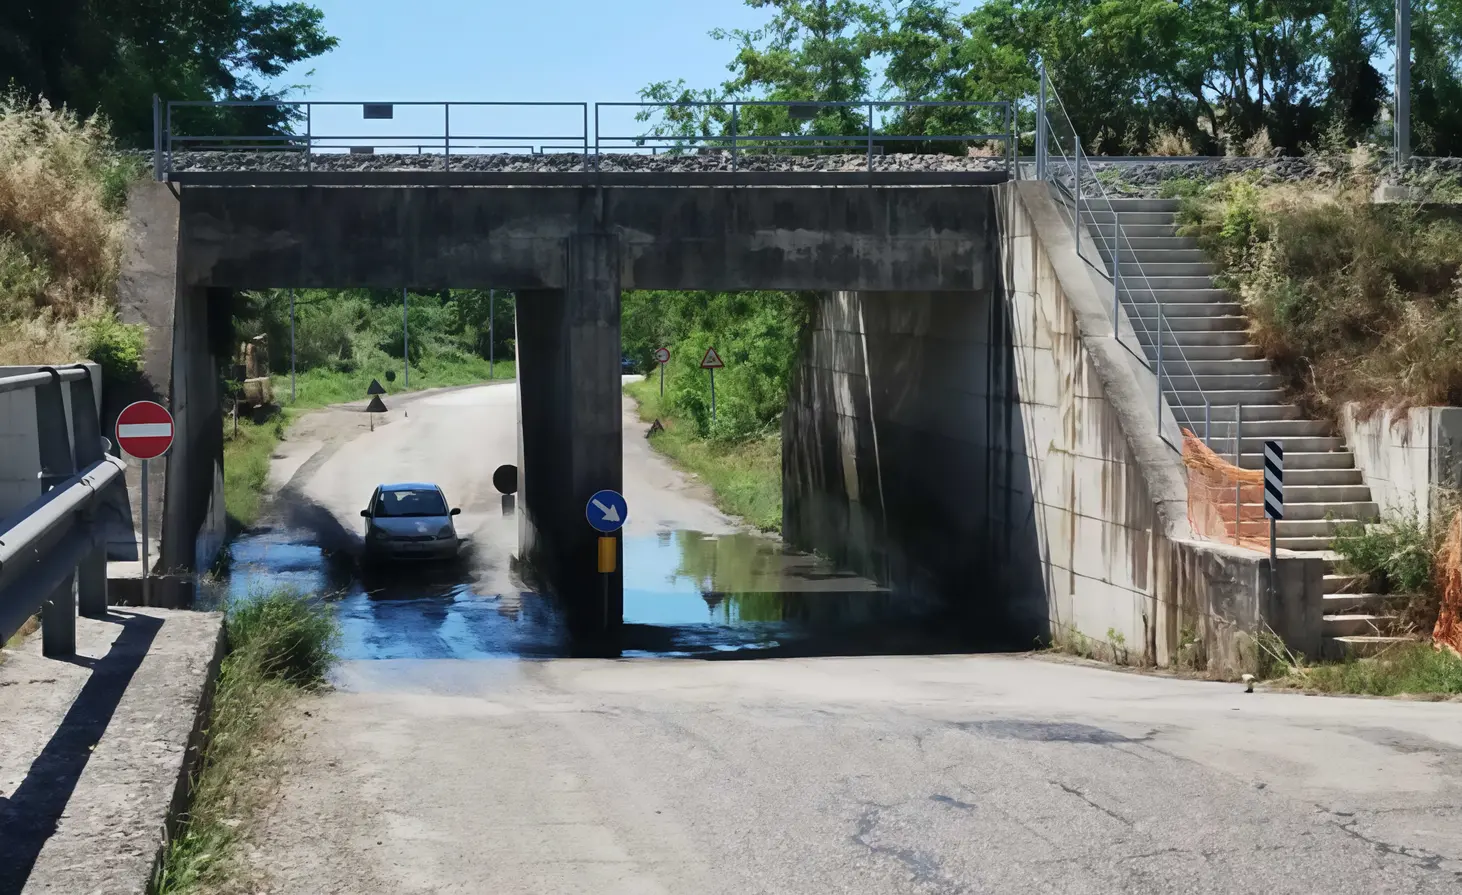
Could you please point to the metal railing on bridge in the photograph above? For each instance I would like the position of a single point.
(308, 136)
(1061, 161)
(53, 550)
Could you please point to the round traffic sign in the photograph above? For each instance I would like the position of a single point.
(145, 430)
(505, 479)
(607, 511)
(662, 355)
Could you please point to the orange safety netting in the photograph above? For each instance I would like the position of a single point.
(1448, 569)
(1225, 502)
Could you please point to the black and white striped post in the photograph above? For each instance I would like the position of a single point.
(1273, 489)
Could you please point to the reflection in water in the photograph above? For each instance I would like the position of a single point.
(686, 594)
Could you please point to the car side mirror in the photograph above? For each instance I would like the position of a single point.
(456, 511)
(365, 514)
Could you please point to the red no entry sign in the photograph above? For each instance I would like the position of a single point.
(145, 430)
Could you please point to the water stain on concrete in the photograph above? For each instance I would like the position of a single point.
(1047, 732)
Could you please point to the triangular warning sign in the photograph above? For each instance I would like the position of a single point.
(375, 388)
(712, 360)
(376, 405)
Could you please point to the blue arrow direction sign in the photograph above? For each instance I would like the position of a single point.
(607, 511)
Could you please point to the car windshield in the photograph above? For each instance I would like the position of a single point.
(411, 503)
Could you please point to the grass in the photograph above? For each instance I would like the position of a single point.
(1352, 300)
(281, 647)
(320, 387)
(1417, 669)
(246, 467)
(745, 477)
(246, 456)
(62, 193)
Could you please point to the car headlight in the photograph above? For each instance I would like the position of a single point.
(445, 533)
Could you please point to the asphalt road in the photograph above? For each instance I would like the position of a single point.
(918, 774)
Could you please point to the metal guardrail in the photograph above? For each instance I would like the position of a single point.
(1075, 196)
(53, 551)
(736, 127)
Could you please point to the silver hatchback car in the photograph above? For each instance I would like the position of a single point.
(410, 520)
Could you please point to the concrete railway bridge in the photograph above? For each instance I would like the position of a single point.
(962, 421)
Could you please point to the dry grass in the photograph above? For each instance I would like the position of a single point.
(1172, 143)
(1353, 301)
(1260, 146)
(62, 190)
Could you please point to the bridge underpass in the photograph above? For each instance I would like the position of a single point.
(910, 336)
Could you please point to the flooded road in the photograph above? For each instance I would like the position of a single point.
(686, 594)
(696, 582)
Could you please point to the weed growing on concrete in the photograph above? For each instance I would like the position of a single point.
(1117, 644)
(281, 646)
(1396, 557)
(1190, 655)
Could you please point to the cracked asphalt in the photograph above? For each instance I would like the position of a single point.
(908, 774)
(939, 774)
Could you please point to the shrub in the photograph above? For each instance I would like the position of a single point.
(117, 347)
(1395, 556)
(62, 190)
(1353, 301)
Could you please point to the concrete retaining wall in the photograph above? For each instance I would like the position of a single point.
(1120, 557)
(998, 450)
(1410, 458)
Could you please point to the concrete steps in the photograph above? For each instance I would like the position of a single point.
(1232, 338)
(1106, 235)
(1137, 291)
(1171, 310)
(1150, 254)
(1295, 511)
(1209, 366)
(1264, 429)
(1360, 646)
(1176, 378)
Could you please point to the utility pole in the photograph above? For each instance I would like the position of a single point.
(1403, 83)
(491, 342)
(405, 344)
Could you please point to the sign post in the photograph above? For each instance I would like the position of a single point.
(662, 357)
(712, 362)
(491, 335)
(145, 432)
(405, 344)
(505, 479)
(291, 346)
(1273, 492)
(607, 512)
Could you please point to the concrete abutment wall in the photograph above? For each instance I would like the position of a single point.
(996, 449)
(962, 424)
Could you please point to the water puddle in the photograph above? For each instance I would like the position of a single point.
(686, 594)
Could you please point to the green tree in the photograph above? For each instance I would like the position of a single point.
(111, 56)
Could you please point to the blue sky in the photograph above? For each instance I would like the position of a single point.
(507, 50)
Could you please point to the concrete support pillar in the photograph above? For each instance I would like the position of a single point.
(193, 523)
(569, 394)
